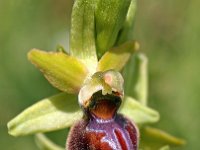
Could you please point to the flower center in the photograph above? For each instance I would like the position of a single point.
(104, 106)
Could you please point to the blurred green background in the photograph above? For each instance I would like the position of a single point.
(168, 31)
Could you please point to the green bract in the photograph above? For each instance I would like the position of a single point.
(82, 35)
(110, 16)
(136, 74)
(126, 33)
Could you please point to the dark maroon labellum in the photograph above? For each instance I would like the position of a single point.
(103, 128)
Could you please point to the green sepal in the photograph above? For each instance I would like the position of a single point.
(63, 71)
(137, 112)
(136, 75)
(53, 113)
(44, 143)
(82, 33)
(109, 16)
(153, 139)
(117, 57)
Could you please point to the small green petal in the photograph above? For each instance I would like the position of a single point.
(63, 71)
(137, 112)
(155, 138)
(117, 57)
(45, 143)
(53, 113)
(109, 16)
(82, 33)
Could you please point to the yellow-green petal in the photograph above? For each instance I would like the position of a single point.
(137, 112)
(53, 113)
(63, 71)
(117, 57)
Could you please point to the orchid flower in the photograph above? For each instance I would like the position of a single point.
(93, 102)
